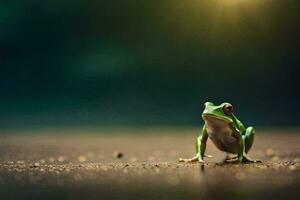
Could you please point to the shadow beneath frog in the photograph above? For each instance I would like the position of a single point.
(234, 161)
(202, 168)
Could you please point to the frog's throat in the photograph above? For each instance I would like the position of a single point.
(217, 117)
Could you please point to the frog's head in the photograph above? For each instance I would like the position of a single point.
(221, 112)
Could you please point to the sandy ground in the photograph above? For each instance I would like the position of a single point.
(141, 163)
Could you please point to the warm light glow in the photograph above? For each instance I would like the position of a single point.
(231, 15)
(236, 2)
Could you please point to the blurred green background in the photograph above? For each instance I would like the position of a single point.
(147, 62)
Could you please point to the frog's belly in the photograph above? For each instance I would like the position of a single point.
(221, 135)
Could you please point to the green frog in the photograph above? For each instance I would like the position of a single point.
(226, 132)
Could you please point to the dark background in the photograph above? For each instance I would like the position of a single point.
(119, 62)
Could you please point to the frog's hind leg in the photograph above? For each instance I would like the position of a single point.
(248, 137)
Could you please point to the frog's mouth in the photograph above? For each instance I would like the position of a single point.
(207, 116)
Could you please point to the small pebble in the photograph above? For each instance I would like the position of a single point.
(36, 164)
(270, 152)
(61, 159)
(275, 158)
(81, 158)
(118, 154)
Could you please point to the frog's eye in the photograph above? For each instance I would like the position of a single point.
(228, 108)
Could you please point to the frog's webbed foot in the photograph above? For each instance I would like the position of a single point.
(246, 159)
(208, 156)
(190, 160)
(196, 158)
(230, 159)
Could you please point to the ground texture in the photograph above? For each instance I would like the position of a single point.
(141, 163)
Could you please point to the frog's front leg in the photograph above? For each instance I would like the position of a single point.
(200, 148)
(249, 138)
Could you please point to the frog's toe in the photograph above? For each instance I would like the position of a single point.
(183, 160)
(188, 159)
(208, 156)
(231, 160)
(250, 160)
